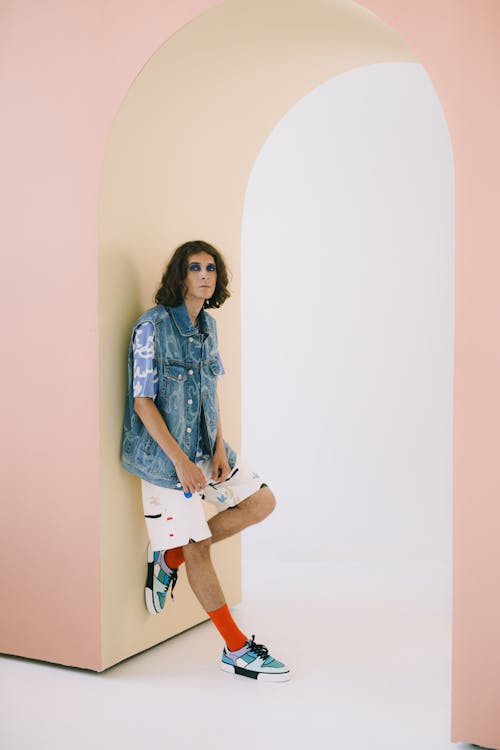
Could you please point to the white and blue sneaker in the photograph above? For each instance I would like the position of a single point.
(253, 660)
(159, 579)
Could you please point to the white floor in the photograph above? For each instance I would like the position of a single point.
(369, 646)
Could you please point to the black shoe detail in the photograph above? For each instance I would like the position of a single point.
(149, 577)
(246, 672)
(172, 581)
(157, 515)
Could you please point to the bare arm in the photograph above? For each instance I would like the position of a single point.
(190, 475)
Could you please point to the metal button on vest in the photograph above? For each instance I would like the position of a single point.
(190, 372)
(179, 377)
(191, 338)
(190, 400)
(179, 484)
(188, 429)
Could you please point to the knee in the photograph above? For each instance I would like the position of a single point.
(265, 503)
(198, 549)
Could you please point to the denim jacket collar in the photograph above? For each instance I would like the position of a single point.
(183, 321)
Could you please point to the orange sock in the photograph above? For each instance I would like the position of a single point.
(227, 627)
(174, 557)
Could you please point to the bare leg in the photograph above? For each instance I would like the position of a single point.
(202, 576)
(199, 568)
(250, 511)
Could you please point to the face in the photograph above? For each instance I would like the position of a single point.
(201, 276)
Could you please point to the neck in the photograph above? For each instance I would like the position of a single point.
(193, 306)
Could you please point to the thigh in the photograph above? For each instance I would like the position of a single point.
(173, 520)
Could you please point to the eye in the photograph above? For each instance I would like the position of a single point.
(211, 267)
(194, 267)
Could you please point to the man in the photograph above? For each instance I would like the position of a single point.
(172, 439)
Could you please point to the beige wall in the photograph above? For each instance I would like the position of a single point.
(177, 165)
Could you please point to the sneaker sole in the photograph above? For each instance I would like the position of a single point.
(260, 676)
(148, 596)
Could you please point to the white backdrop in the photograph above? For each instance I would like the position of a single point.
(347, 322)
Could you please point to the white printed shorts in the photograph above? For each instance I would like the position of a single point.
(172, 519)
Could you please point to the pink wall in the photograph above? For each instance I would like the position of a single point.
(67, 68)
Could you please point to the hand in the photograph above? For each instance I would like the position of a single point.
(220, 464)
(190, 475)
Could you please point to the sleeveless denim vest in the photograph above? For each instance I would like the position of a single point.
(188, 369)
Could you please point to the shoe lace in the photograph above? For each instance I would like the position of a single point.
(258, 648)
(174, 581)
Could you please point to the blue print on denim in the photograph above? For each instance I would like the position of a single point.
(145, 370)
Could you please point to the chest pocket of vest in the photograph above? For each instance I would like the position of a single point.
(177, 373)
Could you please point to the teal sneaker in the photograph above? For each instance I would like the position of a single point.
(253, 660)
(159, 579)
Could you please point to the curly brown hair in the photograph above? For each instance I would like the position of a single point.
(172, 287)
